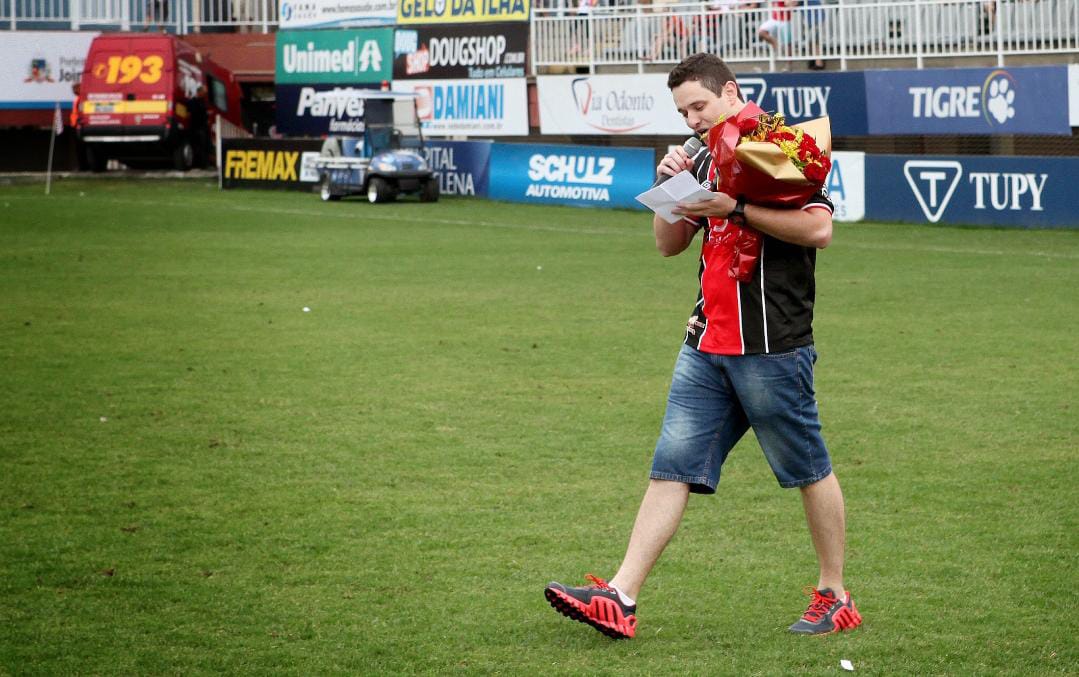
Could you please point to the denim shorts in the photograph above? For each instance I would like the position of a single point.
(715, 399)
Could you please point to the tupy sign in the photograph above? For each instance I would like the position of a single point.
(1008, 191)
(1026, 100)
(339, 57)
(584, 176)
(461, 51)
(800, 97)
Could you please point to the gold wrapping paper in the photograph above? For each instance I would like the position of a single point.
(769, 158)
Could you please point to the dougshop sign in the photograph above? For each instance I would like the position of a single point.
(333, 13)
(340, 57)
(461, 11)
(318, 110)
(269, 163)
(1000, 191)
(462, 167)
(584, 176)
(495, 107)
(461, 51)
(1024, 100)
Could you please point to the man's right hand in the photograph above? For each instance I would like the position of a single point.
(674, 162)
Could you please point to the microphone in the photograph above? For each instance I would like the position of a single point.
(692, 146)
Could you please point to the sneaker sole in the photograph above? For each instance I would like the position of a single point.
(615, 625)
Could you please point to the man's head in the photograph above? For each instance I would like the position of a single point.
(704, 89)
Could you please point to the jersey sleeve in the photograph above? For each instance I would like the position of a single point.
(821, 201)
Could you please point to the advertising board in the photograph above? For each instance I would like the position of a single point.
(461, 11)
(583, 176)
(269, 163)
(462, 167)
(1000, 191)
(642, 103)
(336, 13)
(338, 57)
(482, 107)
(40, 67)
(495, 50)
(1021, 100)
(317, 110)
(846, 186)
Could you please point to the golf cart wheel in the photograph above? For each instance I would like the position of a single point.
(183, 156)
(325, 191)
(429, 192)
(379, 190)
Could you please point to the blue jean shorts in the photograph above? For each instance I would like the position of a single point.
(715, 399)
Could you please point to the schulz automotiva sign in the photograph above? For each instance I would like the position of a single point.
(339, 57)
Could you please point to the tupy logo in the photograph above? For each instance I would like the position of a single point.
(615, 111)
(753, 89)
(933, 183)
(994, 100)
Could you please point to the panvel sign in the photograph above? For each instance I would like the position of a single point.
(336, 13)
(642, 104)
(1024, 100)
(461, 11)
(269, 163)
(461, 51)
(318, 110)
(462, 167)
(584, 176)
(495, 107)
(998, 191)
(40, 67)
(339, 57)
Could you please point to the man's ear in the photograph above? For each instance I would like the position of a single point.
(731, 93)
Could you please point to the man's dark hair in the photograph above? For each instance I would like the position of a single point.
(708, 69)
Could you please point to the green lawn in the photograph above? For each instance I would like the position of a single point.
(196, 476)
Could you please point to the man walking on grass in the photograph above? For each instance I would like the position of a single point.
(746, 362)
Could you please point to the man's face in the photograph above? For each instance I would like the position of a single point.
(701, 107)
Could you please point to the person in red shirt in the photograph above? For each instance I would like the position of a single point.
(776, 31)
(746, 362)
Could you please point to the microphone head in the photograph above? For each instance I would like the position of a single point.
(692, 145)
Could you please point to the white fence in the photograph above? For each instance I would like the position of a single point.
(180, 16)
(840, 31)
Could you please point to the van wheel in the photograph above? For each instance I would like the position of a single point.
(183, 156)
(325, 191)
(95, 160)
(379, 190)
(429, 192)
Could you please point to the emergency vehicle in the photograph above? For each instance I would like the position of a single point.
(147, 98)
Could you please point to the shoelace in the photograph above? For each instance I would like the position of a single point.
(818, 606)
(599, 583)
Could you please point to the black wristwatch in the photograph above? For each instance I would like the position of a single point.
(737, 216)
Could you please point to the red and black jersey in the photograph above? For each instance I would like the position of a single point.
(772, 312)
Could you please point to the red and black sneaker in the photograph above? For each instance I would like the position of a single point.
(598, 605)
(827, 613)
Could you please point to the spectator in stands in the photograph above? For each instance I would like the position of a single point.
(776, 31)
(157, 14)
(672, 30)
(814, 20)
(582, 28)
(710, 38)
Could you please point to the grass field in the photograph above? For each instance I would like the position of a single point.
(199, 477)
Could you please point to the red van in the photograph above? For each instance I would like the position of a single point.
(147, 98)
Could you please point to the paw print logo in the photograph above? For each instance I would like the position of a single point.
(999, 97)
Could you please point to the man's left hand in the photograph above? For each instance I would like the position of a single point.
(719, 206)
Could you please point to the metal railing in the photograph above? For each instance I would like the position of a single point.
(840, 31)
(174, 16)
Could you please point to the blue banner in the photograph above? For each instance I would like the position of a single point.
(998, 191)
(318, 110)
(583, 176)
(462, 167)
(1026, 100)
(806, 96)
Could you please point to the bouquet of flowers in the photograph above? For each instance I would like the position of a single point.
(758, 157)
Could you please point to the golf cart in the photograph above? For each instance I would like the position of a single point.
(386, 160)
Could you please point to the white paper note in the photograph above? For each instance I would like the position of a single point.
(846, 665)
(682, 187)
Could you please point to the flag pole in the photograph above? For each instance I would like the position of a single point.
(52, 145)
